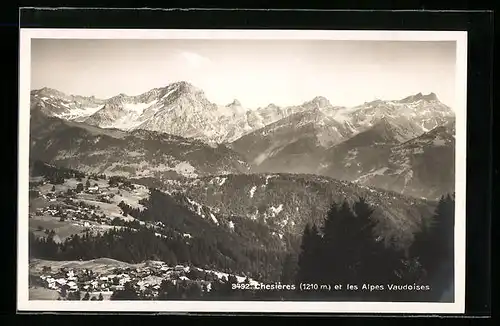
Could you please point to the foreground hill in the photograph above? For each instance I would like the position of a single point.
(125, 221)
(137, 153)
(287, 202)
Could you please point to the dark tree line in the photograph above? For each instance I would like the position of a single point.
(129, 210)
(345, 250)
(134, 224)
(125, 244)
(58, 174)
(135, 246)
(53, 174)
(119, 181)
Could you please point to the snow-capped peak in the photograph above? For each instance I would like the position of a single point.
(182, 109)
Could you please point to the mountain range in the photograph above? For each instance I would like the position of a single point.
(176, 131)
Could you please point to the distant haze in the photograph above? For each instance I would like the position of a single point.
(255, 72)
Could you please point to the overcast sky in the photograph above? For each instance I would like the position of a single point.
(255, 72)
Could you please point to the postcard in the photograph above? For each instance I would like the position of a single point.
(242, 171)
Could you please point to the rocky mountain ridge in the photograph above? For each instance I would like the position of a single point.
(182, 109)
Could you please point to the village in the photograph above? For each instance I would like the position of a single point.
(68, 281)
(87, 207)
(145, 279)
(96, 207)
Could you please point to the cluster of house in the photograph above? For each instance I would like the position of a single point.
(68, 282)
(51, 196)
(81, 214)
(77, 213)
(85, 280)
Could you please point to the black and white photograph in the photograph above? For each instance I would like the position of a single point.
(242, 170)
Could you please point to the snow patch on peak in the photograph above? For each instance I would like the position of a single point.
(138, 107)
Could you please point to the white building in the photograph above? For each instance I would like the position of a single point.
(61, 281)
(179, 268)
(72, 285)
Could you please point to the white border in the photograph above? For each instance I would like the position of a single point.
(24, 304)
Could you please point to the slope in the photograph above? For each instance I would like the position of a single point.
(287, 202)
(137, 153)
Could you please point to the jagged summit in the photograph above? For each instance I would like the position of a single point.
(272, 106)
(318, 102)
(184, 87)
(47, 91)
(419, 96)
(235, 102)
(181, 87)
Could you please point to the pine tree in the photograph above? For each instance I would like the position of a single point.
(433, 247)
(369, 251)
(335, 244)
(289, 269)
(128, 293)
(309, 258)
(348, 251)
(76, 296)
(379, 262)
(303, 274)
